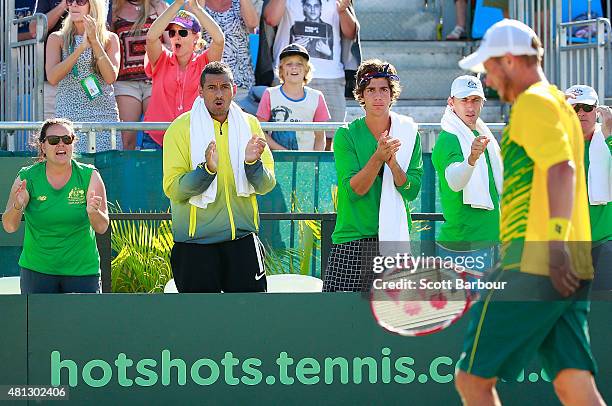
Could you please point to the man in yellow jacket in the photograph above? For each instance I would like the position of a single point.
(215, 162)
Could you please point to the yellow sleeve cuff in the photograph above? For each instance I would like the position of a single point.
(208, 170)
(251, 163)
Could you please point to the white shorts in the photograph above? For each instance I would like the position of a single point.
(138, 89)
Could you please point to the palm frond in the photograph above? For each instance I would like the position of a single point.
(143, 251)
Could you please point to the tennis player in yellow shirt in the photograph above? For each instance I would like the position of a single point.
(545, 232)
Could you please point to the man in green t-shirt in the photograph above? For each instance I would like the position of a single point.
(379, 168)
(598, 167)
(468, 163)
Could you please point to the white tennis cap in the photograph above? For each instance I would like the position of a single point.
(465, 86)
(505, 37)
(582, 94)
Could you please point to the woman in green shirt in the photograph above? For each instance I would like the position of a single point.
(381, 142)
(64, 204)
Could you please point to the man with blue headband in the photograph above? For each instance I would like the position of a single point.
(379, 168)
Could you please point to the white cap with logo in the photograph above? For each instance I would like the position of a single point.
(466, 86)
(583, 94)
(504, 37)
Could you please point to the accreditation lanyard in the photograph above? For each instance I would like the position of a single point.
(90, 84)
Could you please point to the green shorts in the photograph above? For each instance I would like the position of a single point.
(505, 333)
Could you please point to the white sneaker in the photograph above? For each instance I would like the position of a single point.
(456, 34)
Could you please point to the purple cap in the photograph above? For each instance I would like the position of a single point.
(186, 20)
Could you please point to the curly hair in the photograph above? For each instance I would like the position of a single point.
(373, 66)
(42, 133)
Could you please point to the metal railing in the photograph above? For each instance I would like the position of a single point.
(21, 68)
(568, 61)
(427, 130)
(584, 62)
(27, 70)
(7, 11)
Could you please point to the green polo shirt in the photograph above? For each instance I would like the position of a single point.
(463, 222)
(601, 215)
(357, 217)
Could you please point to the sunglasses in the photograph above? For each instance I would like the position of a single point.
(182, 33)
(55, 139)
(78, 2)
(586, 107)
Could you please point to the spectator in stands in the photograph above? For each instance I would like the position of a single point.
(293, 101)
(309, 22)
(56, 11)
(598, 167)
(83, 61)
(468, 162)
(215, 163)
(237, 18)
(64, 202)
(131, 23)
(24, 8)
(175, 72)
(459, 32)
(379, 168)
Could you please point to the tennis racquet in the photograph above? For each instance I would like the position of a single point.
(422, 299)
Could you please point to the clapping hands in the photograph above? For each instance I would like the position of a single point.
(387, 147)
(255, 147)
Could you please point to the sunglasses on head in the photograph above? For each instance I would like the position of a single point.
(183, 33)
(55, 139)
(586, 107)
(78, 2)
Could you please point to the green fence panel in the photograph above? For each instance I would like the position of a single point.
(133, 179)
(13, 340)
(305, 181)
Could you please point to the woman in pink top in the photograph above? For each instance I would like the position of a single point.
(176, 72)
(131, 22)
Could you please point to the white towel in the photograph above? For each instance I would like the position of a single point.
(392, 215)
(202, 132)
(599, 177)
(476, 192)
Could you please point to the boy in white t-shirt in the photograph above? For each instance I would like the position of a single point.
(293, 101)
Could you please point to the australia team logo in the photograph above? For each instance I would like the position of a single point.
(577, 92)
(76, 196)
